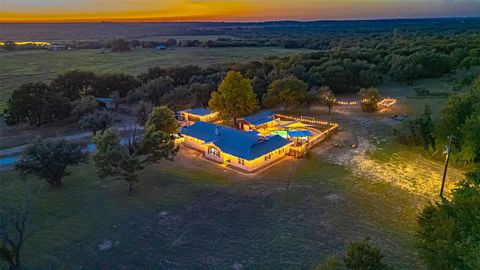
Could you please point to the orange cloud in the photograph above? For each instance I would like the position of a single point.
(142, 10)
(227, 10)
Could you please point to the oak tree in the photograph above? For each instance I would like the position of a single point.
(49, 159)
(234, 97)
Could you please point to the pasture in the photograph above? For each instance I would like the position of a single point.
(191, 214)
(21, 67)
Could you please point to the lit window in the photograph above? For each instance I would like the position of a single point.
(241, 161)
(214, 151)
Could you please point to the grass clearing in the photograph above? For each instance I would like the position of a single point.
(27, 66)
(86, 206)
(203, 216)
(413, 106)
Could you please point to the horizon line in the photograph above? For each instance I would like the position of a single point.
(233, 21)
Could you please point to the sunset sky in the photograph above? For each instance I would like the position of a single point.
(229, 10)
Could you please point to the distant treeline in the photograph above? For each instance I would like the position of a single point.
(382, 34)
(352, 64)
(293, 29)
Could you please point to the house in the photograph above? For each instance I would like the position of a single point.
(197, 114)
(386, 104)
(257, 121)
(106, 103)
(58, 47)
(239, 149)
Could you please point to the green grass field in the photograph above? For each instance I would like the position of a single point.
(200, 216)
(21, 67)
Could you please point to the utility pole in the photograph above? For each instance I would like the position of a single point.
(448, 149)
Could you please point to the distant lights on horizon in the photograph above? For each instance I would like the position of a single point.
(23, 43)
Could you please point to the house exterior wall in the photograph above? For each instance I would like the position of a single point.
(194, 143)
(219, 158)
(190, 117)
(195, 118)
(209, 117)
(244, 125)
(251, 165)
(266, 125)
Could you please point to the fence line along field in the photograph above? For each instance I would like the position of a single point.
(39, 65)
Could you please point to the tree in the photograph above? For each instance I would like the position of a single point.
(83, 106)
(182, 74)
(179, 99)
(158, 142)
(35, 104)
(312, 98)
(448, 236)
(154, 90)
(162, 119)
(135, 44)
(330, 263)
(97, 120)
(120, 45)
(157, 145)
(112, 158)
(418, 131)
(116, 99)
(289, 44)
(116, 158)
(234, 97)
(10, 46)
(426, 128)
(14, 226)
(202, 92)
(171, 42)
(152, 73)
(104, 85)
(74, 84)
(50, 158)
(260, 85)
(403, 69)
(470, 135)
(345, 75)
(363, 256)
(289, 92)
(369, 99)
(142, 112)
(460, 119)
(325, 95)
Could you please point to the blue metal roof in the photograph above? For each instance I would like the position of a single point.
(299, 133)
(198, 111)
(260, 118)
(242, 144)
(104, 100)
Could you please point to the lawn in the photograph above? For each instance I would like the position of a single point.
(194, 214)
(21, 67)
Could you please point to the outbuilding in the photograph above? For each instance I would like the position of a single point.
(257, 121)
(197, 114)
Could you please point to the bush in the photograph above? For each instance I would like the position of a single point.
(363, 255)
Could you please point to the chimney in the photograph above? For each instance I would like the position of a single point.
(217, 131)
